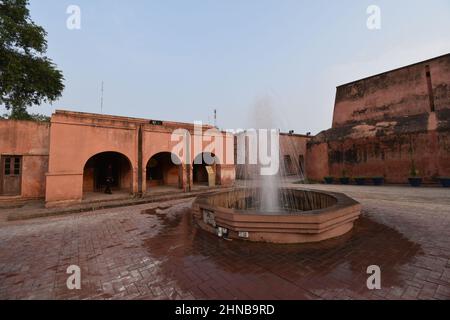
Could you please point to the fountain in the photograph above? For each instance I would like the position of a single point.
(265, 211)
(302, 216)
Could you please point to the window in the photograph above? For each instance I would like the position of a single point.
(12, 166)
(16, 166)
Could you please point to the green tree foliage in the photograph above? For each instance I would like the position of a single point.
(27, 76)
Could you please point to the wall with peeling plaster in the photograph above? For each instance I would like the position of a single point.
(386, 124)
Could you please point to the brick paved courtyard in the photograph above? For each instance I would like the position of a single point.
(146, 252)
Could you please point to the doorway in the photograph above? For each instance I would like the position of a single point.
(11, 175)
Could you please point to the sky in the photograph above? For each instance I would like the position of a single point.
(278, 62)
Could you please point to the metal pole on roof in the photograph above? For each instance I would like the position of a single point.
(101, 99)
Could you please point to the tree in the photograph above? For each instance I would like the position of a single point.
(27, 76)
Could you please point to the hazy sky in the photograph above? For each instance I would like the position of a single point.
(178, 60)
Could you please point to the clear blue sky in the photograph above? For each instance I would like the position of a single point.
(178, 60)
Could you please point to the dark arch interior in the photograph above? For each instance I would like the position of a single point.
(161, 171)
(104, 165)
(200, 172)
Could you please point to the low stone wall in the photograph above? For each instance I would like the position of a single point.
(334, 216)
(295, 200)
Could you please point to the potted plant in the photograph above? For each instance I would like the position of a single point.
(360, 181)
(329, 180)
(344, 179)
(445, 182)
(378, 181)
(414, 180)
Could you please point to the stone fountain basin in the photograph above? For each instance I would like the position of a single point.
(313, 216)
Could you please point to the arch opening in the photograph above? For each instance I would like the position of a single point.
(107, 173)
(206, 170)
(162, 173)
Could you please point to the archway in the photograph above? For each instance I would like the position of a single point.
(112, 166)
(163, 172)
(203, 163)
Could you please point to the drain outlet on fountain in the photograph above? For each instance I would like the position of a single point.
(222, 232)
(243, 235)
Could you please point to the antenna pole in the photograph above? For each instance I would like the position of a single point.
(101, 100)
(215, 118)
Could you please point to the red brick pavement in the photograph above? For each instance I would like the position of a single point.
(130, 253)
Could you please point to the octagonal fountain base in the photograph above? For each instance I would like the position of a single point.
(302, 215)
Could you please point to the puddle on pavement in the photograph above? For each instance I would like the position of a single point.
(157, 210)
(326, 265)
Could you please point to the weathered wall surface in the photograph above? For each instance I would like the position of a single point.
(317, 161)
(386, 149)
(387, 124)
(31, 141)
(401, 92)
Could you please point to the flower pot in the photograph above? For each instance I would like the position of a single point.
(378, 181)
(415, 181)
(344, 180)
(360, 181)
(329, 180)
(445, 182)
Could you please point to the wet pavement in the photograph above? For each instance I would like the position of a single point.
(156, 251)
